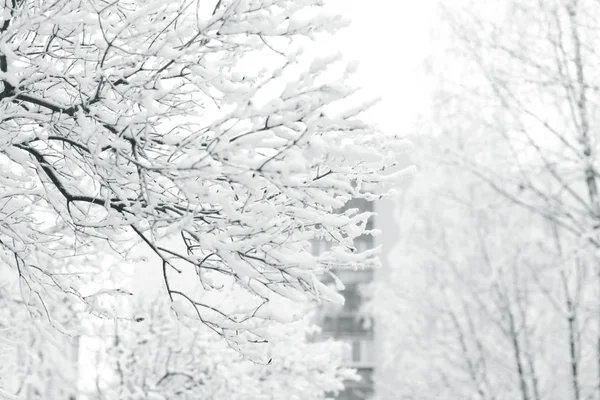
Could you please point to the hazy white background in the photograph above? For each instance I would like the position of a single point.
(391, 40)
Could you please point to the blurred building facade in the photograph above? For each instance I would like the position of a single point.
(350, 323)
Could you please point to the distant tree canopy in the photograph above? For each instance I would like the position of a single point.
(500, 298)
(167, 358)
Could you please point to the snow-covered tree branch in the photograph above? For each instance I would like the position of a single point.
(198, 129)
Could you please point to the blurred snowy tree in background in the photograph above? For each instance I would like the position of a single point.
(498, 294)
(166, 357)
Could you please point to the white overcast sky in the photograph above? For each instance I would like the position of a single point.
(390, 39)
